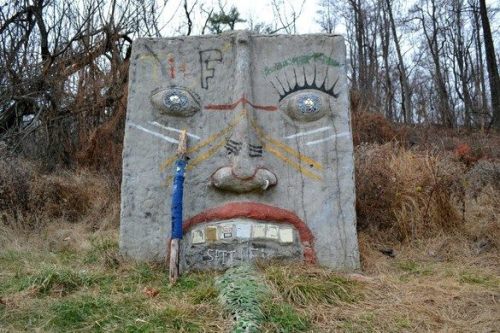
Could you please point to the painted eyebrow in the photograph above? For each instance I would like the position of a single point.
(242, 100)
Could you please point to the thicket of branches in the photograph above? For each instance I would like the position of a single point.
(431, 61)
(64, 64)
(63, 70)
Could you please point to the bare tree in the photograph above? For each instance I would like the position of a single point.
(327, 18)
(491, 65)
(428, 13)
(64, 69)
(403, 76)
(286, 15)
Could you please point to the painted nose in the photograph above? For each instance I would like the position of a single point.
(246, 171)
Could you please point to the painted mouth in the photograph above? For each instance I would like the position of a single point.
(257, 212)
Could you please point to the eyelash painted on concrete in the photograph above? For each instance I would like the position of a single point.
(194, 136)
(164, 137)
(318, 130)
(327, 138)
(289, 89)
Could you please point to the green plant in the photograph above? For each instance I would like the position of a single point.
(242, 292)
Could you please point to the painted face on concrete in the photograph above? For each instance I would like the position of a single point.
(270, 169)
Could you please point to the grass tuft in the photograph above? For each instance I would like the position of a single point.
(282, 317)
(59, 280)
(303, 285)
(204, 292)
(479, 279)
(412, 267)
(104, 251)
(75, 313)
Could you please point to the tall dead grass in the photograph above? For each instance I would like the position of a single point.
(30, 199)
(406, 194)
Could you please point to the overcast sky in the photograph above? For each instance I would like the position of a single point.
(261, 11)
(258, 10)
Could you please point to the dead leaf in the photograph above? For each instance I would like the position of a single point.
(150, 292)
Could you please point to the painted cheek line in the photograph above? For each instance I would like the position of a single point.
(158, 135)
(318, 130)
(204, 143)
(286, 148)
(205, 155)
(194, 136)
(328, 138)
(294, 165)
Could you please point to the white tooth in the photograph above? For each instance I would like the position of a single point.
(266, 185)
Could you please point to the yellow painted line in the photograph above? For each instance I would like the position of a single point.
(168, 181)
(204, 143)
(167, 162)
(286, 148)
(205, 155)
(294, 165)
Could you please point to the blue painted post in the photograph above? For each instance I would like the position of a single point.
(177, 193)
(176, 210)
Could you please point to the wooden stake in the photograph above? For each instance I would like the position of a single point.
(182, 147)
(174, 260)
(175, 243)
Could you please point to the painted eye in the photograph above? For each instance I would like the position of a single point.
(305, 105)
(176, 101)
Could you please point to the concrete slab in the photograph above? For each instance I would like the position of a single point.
(269, 141)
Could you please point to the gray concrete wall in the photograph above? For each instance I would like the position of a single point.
(269, 129)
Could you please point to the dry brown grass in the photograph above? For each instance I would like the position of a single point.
(438, 212)
(30, 199)
(406, 194)
(304, 284)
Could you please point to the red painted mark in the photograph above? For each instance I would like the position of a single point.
(183, 68)
(224, 107)
(171, 62)
(260, 212)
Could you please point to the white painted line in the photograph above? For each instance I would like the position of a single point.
(174, 130)
(164, 137)
(322, 129)
(328, 138)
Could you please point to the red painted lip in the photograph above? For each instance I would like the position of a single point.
(260, 212)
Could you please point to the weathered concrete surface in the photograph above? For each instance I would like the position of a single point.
(269, 142)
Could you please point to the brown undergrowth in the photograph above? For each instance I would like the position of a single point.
(31, 200)
(407, 194)
(428, 226)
